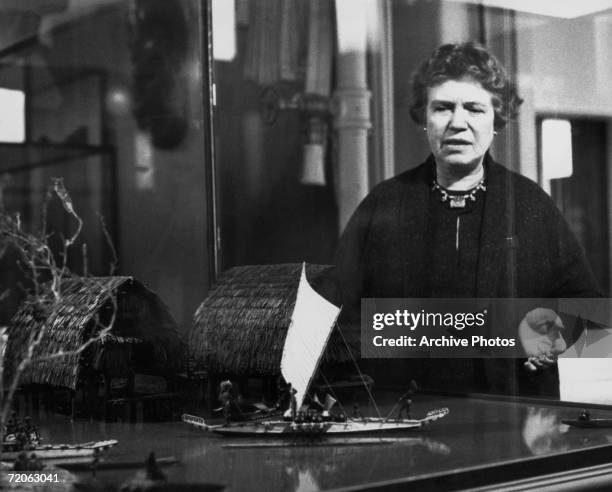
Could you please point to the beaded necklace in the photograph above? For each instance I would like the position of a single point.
(458, 200)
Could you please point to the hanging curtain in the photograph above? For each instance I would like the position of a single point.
(292, 41)
(320, 48)
(274, 44)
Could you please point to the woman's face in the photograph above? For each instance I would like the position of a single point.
(459, 123)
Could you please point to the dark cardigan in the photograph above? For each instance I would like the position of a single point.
(380, 251)
(526, 250)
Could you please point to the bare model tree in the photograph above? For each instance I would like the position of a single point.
(47, 273)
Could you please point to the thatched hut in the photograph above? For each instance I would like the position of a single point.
(143, 337)
(240, 327)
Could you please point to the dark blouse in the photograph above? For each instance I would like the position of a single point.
(453, 247)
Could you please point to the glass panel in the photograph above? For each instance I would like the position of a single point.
(309, 112)
(302, 137)
(114, 106)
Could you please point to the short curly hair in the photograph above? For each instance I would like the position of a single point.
(455, 61)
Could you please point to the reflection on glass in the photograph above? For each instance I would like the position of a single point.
(556, 151)
(111, 100)
(224, 29)
(12, 117)
(543, 431)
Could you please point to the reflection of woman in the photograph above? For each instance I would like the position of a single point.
(460, 225)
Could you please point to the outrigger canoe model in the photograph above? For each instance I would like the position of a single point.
(312, 322)
(283, 428)
(59, 451)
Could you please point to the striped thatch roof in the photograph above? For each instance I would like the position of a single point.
(240, 327)
(143, 337)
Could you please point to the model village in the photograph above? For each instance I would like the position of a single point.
(132, 367)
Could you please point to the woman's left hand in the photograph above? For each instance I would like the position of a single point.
(540, 333)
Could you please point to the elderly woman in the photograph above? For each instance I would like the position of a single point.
(460, 224)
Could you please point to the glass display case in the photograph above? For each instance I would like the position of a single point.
(222, 133)
(484, 443)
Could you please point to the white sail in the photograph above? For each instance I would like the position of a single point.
(311, 324)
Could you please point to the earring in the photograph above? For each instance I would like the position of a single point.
(425, 129)
(494, 132)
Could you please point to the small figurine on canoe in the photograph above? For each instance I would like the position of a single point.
(19, 435)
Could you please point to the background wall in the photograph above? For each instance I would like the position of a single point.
(416, 33)
(563, 68)
(564, 71)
